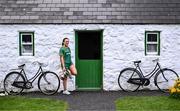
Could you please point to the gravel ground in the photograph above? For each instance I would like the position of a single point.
(94, 100)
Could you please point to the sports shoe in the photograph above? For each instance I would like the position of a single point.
(62, 77)
(66, 92)
(68, 75)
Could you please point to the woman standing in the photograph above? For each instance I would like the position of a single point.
(66, 63)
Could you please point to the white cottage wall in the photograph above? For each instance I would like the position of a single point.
(122, 44)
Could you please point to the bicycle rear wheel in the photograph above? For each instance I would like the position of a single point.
(123, 78)
(12, 83)
(165, 79)
(49, 83)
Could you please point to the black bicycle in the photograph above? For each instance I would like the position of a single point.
(16, 81)
(130, 79)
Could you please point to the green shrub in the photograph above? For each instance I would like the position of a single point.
(175, 90)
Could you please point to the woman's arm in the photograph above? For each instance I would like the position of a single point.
(62, 62)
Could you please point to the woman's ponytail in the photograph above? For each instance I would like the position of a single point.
(64, 41)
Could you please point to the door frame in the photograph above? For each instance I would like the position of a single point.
(76, 55)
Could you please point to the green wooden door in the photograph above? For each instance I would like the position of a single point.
(89, 60)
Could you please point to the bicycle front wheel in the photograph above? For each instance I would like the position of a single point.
(14, 83)
(49, 83)
(165, 79)
(124, 77)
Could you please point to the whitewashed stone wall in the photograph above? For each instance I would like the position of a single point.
(122, 44)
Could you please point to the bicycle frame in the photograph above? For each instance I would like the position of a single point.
(131, 78)
(38, 73)
(16, 81)
(156, 69)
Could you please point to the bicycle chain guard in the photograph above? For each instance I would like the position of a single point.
(139, 81)
(21, 84)
(18, 84)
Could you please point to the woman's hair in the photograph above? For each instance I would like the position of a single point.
(64, 40)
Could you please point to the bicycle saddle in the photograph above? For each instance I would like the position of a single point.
(156, 60)
(21, 66)
(137, 62)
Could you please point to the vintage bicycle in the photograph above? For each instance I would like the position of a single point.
(130, 79)
(16, 81)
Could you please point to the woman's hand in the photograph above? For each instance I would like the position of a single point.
(64, 69)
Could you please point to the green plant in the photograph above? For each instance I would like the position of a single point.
(175, 90)
(147, 103)
(19, 103)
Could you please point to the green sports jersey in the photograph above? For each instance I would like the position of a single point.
(66, 53)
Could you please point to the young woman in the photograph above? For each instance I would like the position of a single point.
(66, 63)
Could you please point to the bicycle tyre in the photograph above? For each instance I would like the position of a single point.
(165, 79)
(9, 80)
(49, 83)
(123, 78)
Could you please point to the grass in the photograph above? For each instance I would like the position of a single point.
(150, 103)
(18, 103)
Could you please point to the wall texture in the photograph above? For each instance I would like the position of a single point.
(122, 44)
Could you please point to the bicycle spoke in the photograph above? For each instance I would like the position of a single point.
(161, 81)
(166, 79)
(124, 77)
(9, 81)
(49, 83)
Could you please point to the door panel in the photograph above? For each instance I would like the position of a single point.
(89, 59)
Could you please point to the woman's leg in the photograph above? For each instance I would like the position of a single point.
(73, 69)
(65, 87)
(65, 83)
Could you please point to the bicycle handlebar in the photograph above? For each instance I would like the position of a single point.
(139, 61)
(39, 63)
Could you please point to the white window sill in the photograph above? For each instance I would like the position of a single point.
(27, 54)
